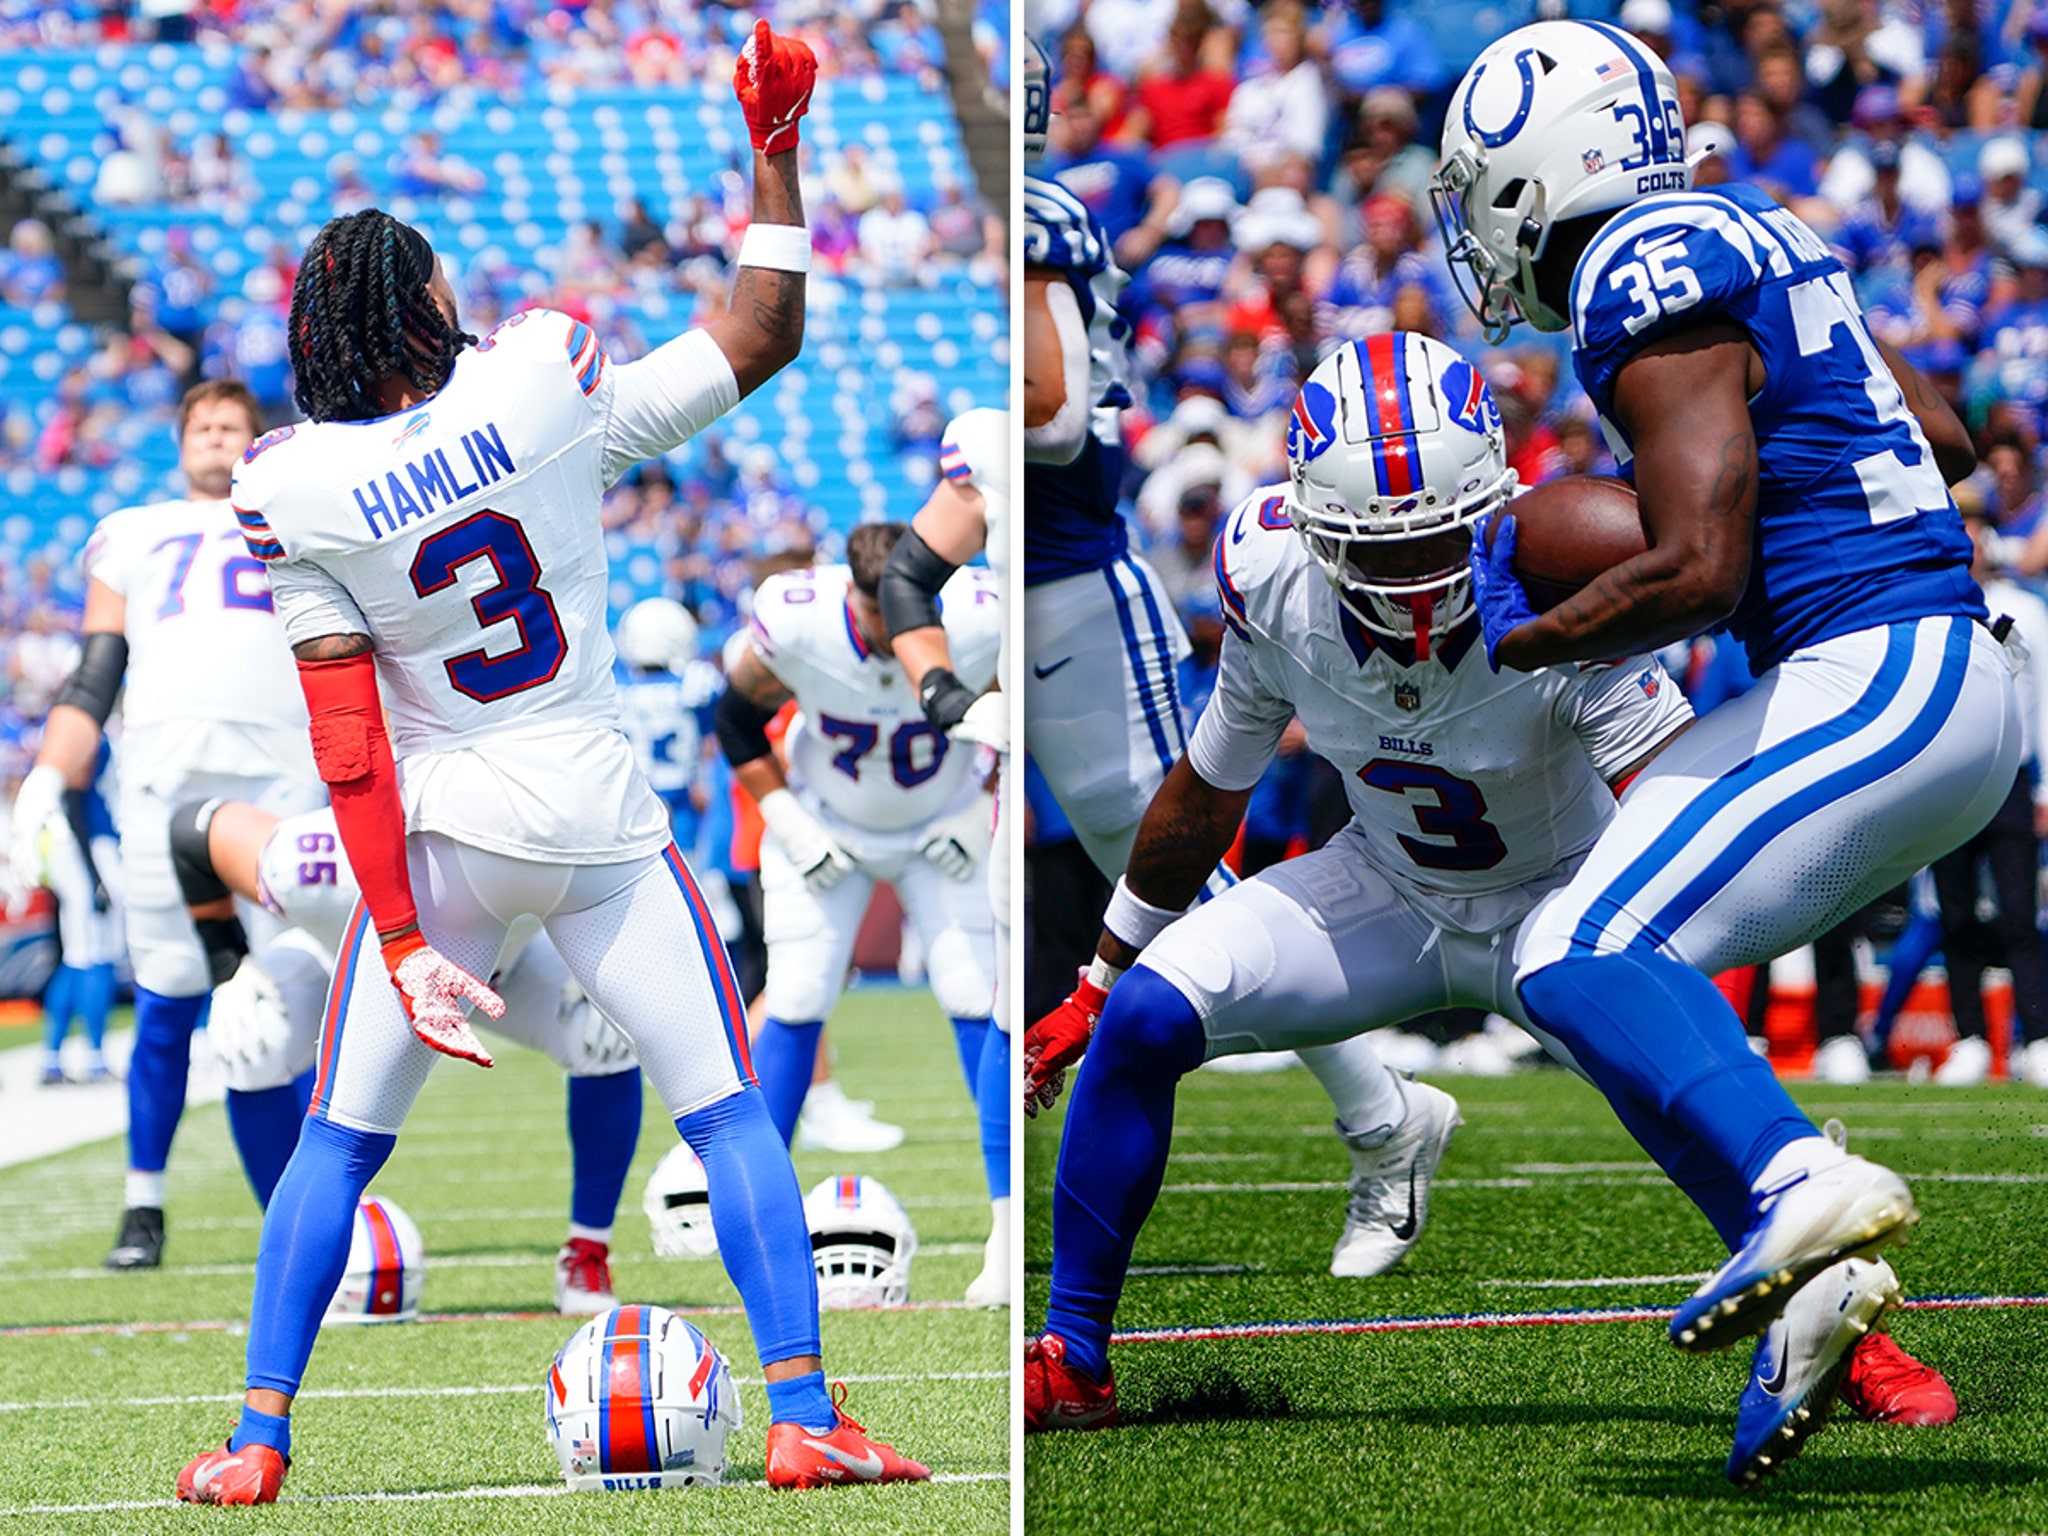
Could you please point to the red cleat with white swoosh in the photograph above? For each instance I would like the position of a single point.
(252, 1475)
(804, 1458)
(1057, 1396)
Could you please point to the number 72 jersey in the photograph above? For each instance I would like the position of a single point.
(1854, 523)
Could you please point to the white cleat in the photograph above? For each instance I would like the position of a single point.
(1840, 1208)
(1842, 1061)
(2031, 1064)
(1800, 1363)
(1968, 1064)
(991, 1288)
(1390, 1185)
(831, 1122)
(583, 1279)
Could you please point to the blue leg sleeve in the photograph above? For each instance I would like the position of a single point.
(992, 1100)
(604, 1130)
(156, 1074)
(784, 1055)
(1655, 1033)
(265, 1125)
(758, 1213)
(96, 1001)
(968, 1037)
(1119, 1129)
(60, 1001)
(1910, 955)
(305, 1247)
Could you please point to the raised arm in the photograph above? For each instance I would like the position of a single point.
(948, 531)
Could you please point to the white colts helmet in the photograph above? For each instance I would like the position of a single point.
(862, 1242)
(1037, 100)
(387, 1267)
(638, 1398)
(657, 632)
(678, 1205)
(1395, 449)
(1554, 121)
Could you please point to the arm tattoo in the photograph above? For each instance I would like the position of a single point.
(1732, 483)
(754, 682)
(332, 647)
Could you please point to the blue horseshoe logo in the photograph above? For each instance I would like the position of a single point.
(1495, 139)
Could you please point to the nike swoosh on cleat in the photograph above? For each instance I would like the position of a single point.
(1044, 672)
(868, 1466)
(1776, 1383)
(1405, 1229)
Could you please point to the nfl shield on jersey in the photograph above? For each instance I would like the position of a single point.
(387, 1267)
(638, 1398)
(862, 1243)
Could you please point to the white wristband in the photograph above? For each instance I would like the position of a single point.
(1135, 921)
(778, 247)
(1101, 974)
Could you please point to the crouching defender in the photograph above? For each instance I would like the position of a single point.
(435, 529)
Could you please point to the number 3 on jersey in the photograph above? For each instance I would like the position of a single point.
(542, 646)
(1459, 814)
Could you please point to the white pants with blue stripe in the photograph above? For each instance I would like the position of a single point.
(637, 936)
(1851, 764)
(1101, 703)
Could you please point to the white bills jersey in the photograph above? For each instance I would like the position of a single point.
(1464, 782)
(210, 682)
(861, 746)
(975, 451)
(463, 537)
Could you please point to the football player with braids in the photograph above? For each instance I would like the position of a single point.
(1792, 478)
(180, 613)
(435, 547)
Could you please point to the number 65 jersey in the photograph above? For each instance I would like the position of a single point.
(463, 537)
(1466, 784)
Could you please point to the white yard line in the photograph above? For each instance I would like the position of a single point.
(1597, 1282)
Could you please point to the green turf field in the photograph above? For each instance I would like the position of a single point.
(446, 1414)
(1540, 1429)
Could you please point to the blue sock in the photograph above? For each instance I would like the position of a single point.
(968, 1035)
(60, 1000)
(1919, 944)
(758, 1213)
(1119, 1128)
(271, 1429)
(604, 1131)
(156, 1074)
(265, 1124)
(784, 1056)
(96, 1001)
(1656, 1033)
(1720, 1191)
(992, 1099)
(802, 1400)
(306, 1230)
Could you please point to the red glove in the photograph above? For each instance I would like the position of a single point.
(1056, 1042)
(773, 80)
(431, 988)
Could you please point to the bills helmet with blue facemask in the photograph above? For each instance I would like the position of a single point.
(387, 1267)
(1554, 122)
(638, 1398)
(1394, 450)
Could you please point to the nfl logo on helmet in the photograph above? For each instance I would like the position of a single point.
(1311, 429)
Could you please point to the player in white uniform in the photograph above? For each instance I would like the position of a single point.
(1474, 795)
(80, 863)
(873, 792)
(266, 1018)
(435, 544)
(176, 604)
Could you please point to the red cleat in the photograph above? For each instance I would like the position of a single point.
(1056, 1396)
(1886, 1385)
(252, 1475)
(802, 1458)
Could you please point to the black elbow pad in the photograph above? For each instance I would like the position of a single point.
(909, 589)
(198, 882)
(97, 682)
(742, 727)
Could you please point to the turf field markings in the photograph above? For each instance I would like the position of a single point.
(1562, 1181)
(504, 1389)
(1144, 1271)
(1568, 1316)
(1638, 1166)
(1598, 1281)
(427, 1496)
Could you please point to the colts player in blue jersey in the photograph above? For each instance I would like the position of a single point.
(1793, 480)
(1105, 750)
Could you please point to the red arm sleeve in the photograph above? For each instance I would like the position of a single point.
(353, 754)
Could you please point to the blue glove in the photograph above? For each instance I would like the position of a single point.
(1495, 588)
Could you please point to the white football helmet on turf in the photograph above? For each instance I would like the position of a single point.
(387, 1267)
(638, 1398)
(657, 632)
(678, 1205)
(1554, 121)
(1394, 450)
(862, 1243)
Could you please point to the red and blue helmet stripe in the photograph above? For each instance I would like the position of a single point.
(627, 1440)
(1396, 454)
(386, 1297)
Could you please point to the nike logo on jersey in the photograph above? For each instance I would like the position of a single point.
(1045, 672)
(867, 1468)
(1404, 1229)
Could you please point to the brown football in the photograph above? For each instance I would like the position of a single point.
(1568, 531)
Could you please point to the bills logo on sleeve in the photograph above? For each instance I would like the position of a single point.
(1312, 427)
